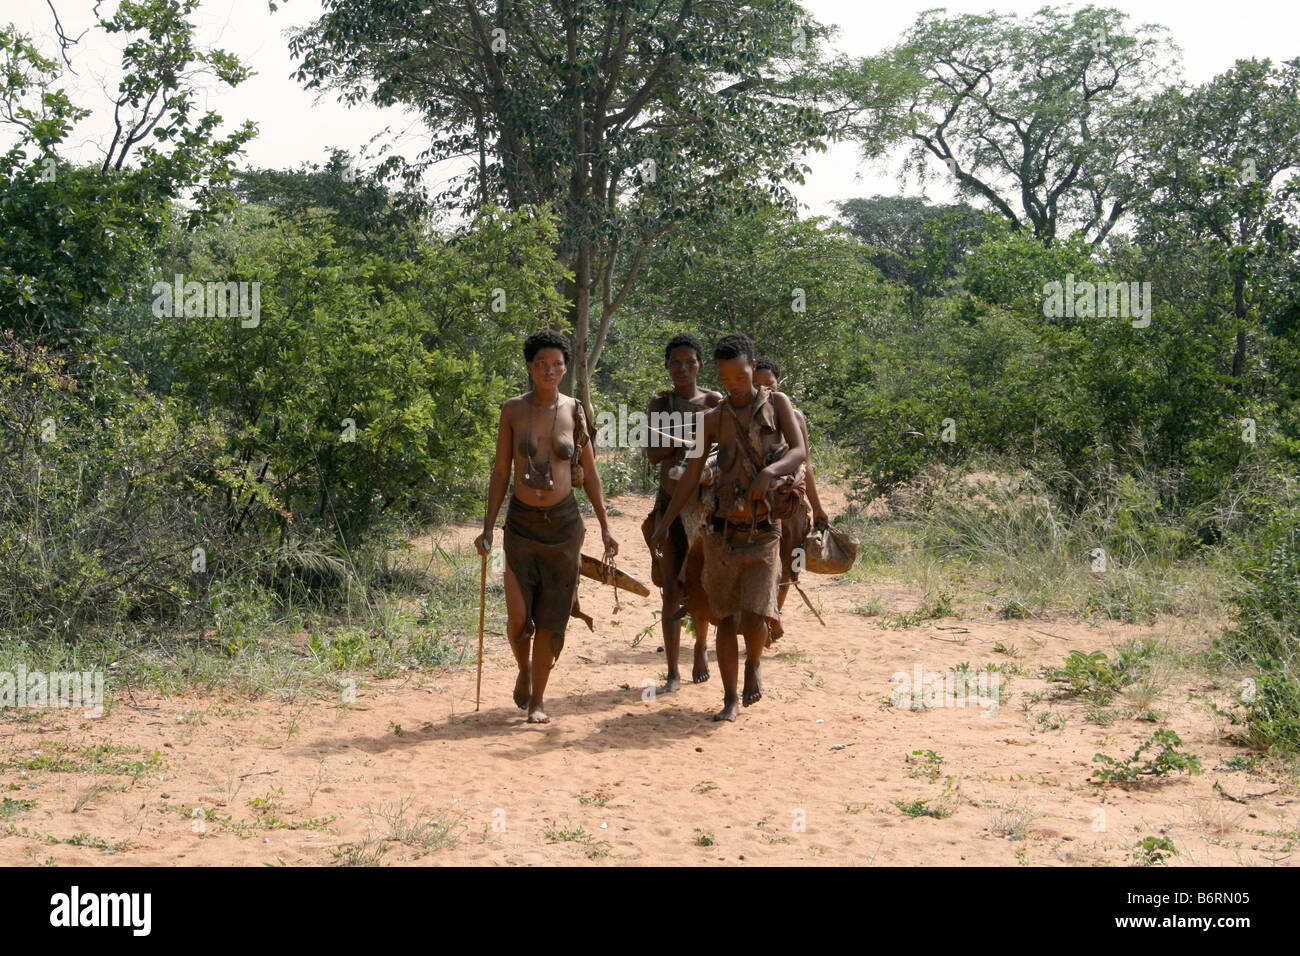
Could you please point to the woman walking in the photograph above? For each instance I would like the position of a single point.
(543, 435)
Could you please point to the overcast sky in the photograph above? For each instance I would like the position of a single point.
(295, 128)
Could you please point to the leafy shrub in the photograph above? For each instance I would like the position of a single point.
(105, 493)
(1168, 759)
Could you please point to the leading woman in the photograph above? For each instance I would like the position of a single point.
(543, 435)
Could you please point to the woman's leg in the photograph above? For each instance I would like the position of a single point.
(545, 650)
(728, 662)
(516, 618)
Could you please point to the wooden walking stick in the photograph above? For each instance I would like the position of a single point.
(482, 607)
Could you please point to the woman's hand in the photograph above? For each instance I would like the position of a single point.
(820, 518)
(659, 539)
(762, 481)
(611, 546)
(483, 543)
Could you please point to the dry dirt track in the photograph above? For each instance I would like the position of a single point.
(808, 776)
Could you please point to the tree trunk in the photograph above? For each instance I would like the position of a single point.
(1239, 311)
(578, 292)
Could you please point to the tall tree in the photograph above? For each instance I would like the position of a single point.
(1224, 162)
(916, 243)
(1035, 115)
(628, 118)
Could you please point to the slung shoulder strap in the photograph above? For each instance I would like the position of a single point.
(580, 436)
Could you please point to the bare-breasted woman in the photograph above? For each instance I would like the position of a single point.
(542, 435)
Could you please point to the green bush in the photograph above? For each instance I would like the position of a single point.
(105, 495)
(1269, 713)
(1266, 607)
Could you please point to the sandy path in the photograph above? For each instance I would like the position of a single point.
(808, 776)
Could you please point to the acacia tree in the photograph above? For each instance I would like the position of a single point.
(1224, 168)
(628, 118)
(1038, 116)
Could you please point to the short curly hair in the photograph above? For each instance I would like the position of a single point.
(687, 339)
(547, 339)
(763, 362)
(733, 346)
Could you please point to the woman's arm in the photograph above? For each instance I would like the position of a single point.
(500, 479)
(810, 486)
(686, 484)
(596, 493)
(795, 455)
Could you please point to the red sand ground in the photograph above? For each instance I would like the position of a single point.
(807, 776)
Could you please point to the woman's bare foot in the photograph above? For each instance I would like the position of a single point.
(700, 670)
(753, 684)
(730, 710)
(523, 688)
(537, 716)
(674, 683)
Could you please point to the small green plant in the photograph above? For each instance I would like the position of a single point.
(925, 763)
(269, 804)
(921, 808)
(1100, 716)
(1011, 821)
(930, 608)
(1012, 610)
(1086, 675)
(704, 838)
(365, 853)
(97, 843)
(1269, 709)
(1244, 762)
(873, 607)
(590, 846)
(1166, 760)
(1051, 720)
(704, 786)
(1151, 851)
(597, 799)
(11, 808)
(1098, 678)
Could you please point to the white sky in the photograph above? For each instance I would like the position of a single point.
(293, 128)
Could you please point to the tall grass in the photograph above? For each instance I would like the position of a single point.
(996, 532)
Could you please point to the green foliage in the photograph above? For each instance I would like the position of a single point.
(71, 238)
(1096, 677)
(1151, 851)
(1168, 759)
(1016, 108)
(1266, 607)
(366, 384)
(1269, 711)
(721, 99)
(796, 287)
(914, 243)
(921, 808)
(104, 495)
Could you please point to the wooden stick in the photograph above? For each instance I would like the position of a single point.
(482, 608)
(808, 602)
